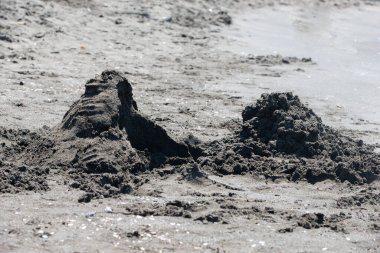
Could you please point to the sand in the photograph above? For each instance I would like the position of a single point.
(130, 127)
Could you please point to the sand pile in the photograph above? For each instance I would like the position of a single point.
(107, 133)
(286, 126)
(15, 175)
(104, 143)
(281, 137)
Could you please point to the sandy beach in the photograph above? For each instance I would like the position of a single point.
(189, 126)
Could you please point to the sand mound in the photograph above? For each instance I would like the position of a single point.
(285, 125)
(103, 142)
(107, 109)
(281, 137)
(282, 122)
(107, 142)
(15, 179)
(107, 132)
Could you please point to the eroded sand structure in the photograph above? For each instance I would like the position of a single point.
(104, 137)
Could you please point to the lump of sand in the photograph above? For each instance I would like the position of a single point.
(107, 141)
(281, 137)
(285, 125)
(103, 142)
(110, 131)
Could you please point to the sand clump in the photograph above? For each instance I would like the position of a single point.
(280, 137)
(286, 126)
(199, 18)
(109, 132)
(104, 143)
(15, 174)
